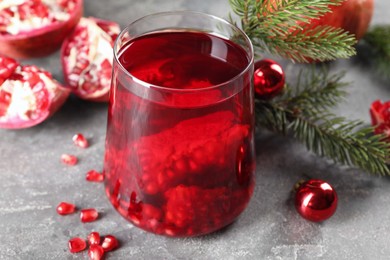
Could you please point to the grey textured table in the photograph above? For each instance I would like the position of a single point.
(33, 181)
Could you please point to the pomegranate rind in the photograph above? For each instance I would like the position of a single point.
(100, 91)
(42, 41)
(55, 95)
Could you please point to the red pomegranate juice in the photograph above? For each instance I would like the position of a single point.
(179, 157)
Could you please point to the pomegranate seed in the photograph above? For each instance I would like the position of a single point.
(65, 208)
(88, 215)
(76, 245)
(80, 140)
(95, 252)
(94, 176)
(109, 243)
(93, 238)
(69, 159)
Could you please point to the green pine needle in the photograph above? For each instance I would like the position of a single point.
(301, 112)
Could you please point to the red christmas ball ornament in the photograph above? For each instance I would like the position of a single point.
(316, 200)
(269, 79)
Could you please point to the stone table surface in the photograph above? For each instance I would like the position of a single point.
(33, 181)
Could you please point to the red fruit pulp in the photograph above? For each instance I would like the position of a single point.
(76, 245)
(80, 140)
(88, 215)
(109, 243)
(65, 208)
(69, 159)
(95, 252)
(94, 176)
(93, 238)
(181, 164)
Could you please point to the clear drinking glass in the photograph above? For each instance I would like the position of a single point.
(179, 157)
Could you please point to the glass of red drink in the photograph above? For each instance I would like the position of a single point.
(179, 157)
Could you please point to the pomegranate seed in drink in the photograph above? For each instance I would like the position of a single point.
(88, 215)
(65, 208)
(80, 140)
(76, 245)
(110, 243)
(94, 176)
(93, 238)
(95, 252)
(69, 159)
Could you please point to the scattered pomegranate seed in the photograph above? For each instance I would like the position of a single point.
(109, 243)
(88, 215)
(65, 208)
(76, 245)
(80, 140)
(94, 176)
(93, 238)
(69, 159)
(95, 252)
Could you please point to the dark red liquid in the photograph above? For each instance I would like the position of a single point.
(179, 161)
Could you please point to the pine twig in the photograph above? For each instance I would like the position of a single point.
(301, 115)
(283, 28)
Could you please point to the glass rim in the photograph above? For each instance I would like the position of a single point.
(161, 88)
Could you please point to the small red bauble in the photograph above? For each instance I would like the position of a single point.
(316, 200)
(269, 79)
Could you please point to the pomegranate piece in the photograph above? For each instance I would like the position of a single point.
(28, 95)
(36, 28)
(88, 215)
(93, 238)
(69, 159)
(7, 68)
(110, 243)
(94, 176)
(65, 208)
(76, 245)
(95, 252)
(87, 56)
(80, 141)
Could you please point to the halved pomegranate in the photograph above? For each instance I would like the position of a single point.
(87, 56)
(35, 28)
(28, 95)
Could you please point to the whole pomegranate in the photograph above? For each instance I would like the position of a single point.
(87, 56)
(35, 28)
(28, 95)
(353, 16)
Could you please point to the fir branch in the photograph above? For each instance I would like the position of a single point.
(283, 28)
(375, 50)
(315, 90)
(344, 141)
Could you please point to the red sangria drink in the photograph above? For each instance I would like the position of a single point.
(179, 157)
